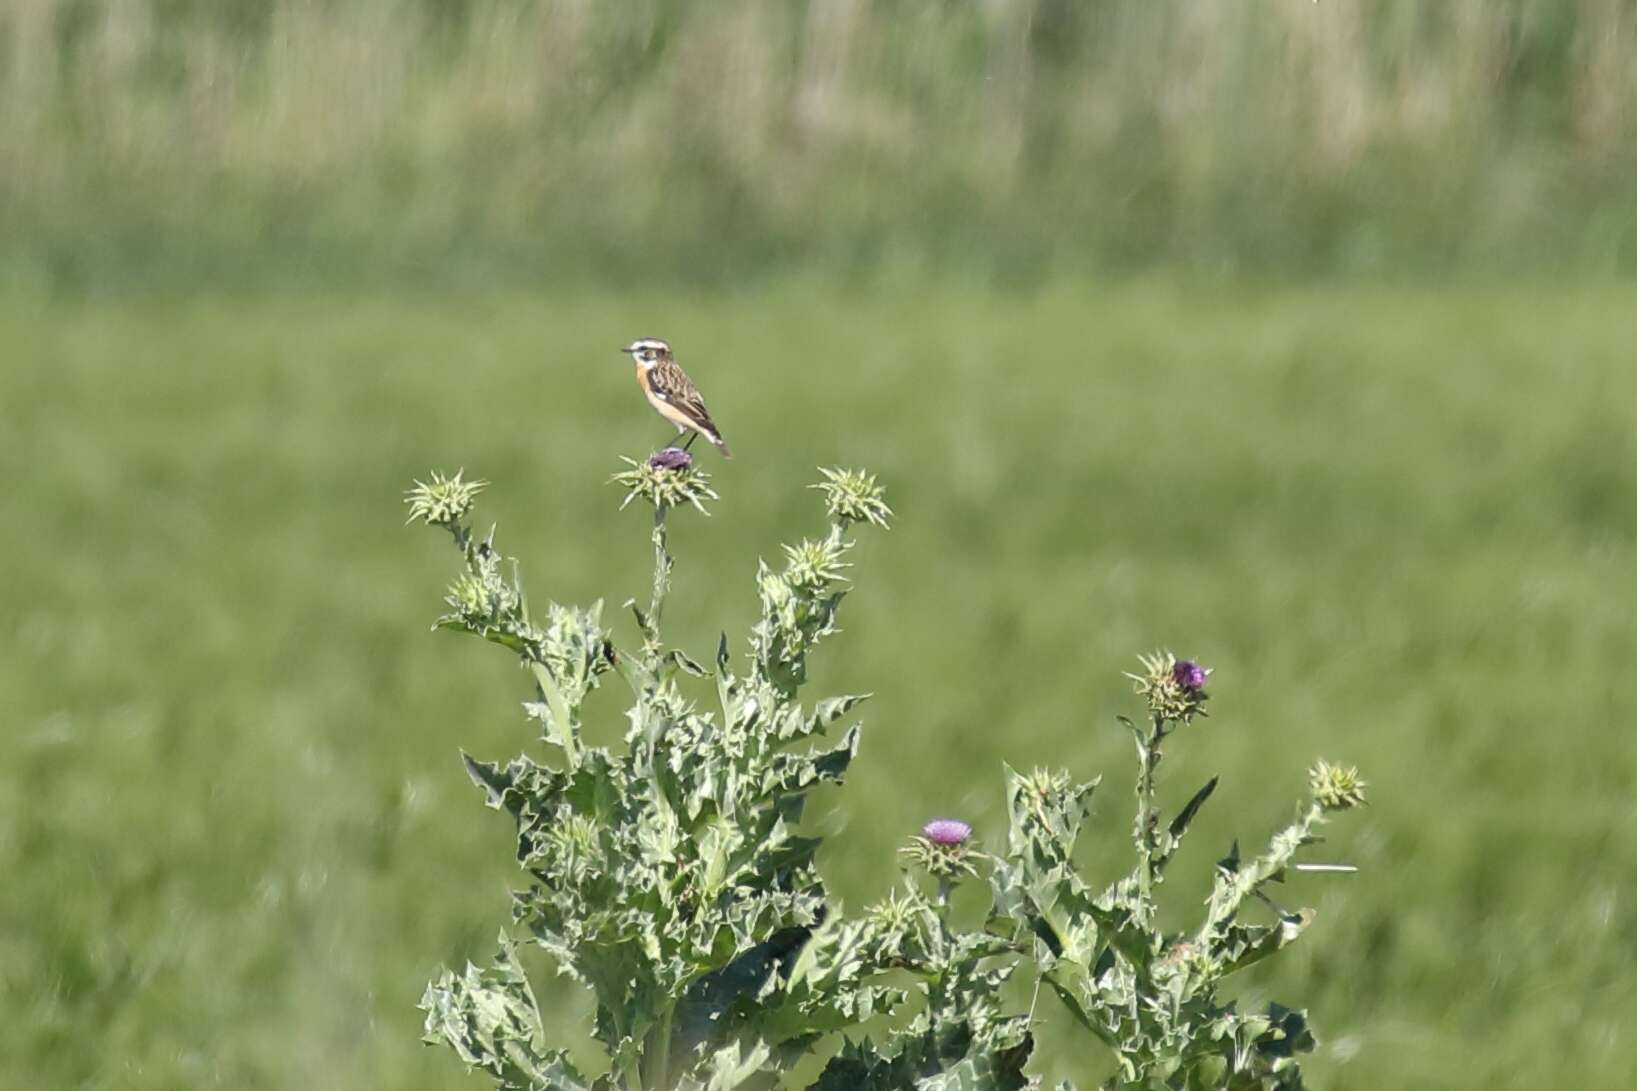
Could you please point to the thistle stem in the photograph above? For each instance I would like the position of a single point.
(1148, 757)
(659, 1068)
(662, 581)
(1231, 890)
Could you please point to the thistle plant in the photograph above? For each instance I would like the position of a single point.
(666, 875)
(670, 877)
(1158, 999)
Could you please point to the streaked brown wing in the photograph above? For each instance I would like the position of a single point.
(670, 383)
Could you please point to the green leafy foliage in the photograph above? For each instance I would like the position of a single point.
(670, 877)
(960, 1037)
(490, 1018)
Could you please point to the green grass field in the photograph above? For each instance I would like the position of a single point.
(235, 837)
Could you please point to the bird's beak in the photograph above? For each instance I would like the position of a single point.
(628, 349)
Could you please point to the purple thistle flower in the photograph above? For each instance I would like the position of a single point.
(1190, 675)
(948, 832)
(671, 458)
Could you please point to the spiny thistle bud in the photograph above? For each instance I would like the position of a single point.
(852, 496)
(944, 849)
(482, 596)
(468, 596)
(664, 484)
(893, 913)
(1174, 688)
(1045, 783)
(775, 589)
(571, 844)
(812, 565)
(443, 502)
(1336, 787)
(895, 922)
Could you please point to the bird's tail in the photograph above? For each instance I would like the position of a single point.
(721, 445)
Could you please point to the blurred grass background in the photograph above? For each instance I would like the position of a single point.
(452, 141)
(1293, 336)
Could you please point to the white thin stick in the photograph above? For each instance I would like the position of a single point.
(1348, 868)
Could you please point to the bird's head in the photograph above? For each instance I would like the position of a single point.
(648, 351)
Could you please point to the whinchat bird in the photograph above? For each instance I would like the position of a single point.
(672, 393)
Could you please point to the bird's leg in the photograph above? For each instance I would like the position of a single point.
(691, 438)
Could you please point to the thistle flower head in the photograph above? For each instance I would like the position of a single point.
(444, 501)
(671, 458)
(665, 481)
(1190, 675)
(1336, 787)
(852, 496)
(947, 832)
(945, 849)
(1174, 688)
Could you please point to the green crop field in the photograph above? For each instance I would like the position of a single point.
(235, 837)
(1294, 337)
